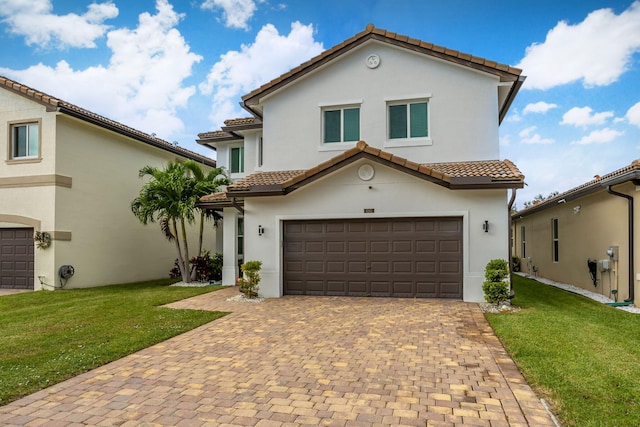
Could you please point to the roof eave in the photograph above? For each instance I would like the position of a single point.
(568, 197)
(133, 135)
(515, 88)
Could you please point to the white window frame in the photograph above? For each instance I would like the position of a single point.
(11, 157)
(345, 105)
(408, 141)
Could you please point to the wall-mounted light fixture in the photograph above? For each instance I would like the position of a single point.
(485, 226)
(260, 230)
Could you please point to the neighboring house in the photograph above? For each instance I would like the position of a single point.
(73, 174)
(557, 238)
(370, 170)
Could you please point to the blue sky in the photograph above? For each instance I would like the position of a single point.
(179, 67)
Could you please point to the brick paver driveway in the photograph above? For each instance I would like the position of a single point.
(304, 361)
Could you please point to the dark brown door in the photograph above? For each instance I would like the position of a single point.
(400, 257)
(16, 258)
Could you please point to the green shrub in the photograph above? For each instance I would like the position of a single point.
(496, 285)
(207, 268)
(516, 263)
(249, 284)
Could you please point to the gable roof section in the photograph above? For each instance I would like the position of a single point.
(505, 72)
(229, 131)
(54, 104)
(492, 174)
(599, 183)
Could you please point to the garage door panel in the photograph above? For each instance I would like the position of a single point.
(446, 267)
(449, 246)
(16, 258)
(359, 247)
(404, 257)
(336, 248)
(336, 267)
(383, 247)
(380, 267)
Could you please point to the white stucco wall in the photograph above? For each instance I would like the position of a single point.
(463, 108)
(393, 194)
(109, 244)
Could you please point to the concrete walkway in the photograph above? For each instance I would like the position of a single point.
(304, 361)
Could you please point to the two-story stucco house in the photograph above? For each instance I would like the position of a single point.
(586, 236)
(370, 170)
(73, 174)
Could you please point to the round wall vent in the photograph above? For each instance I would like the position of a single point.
(366, 172)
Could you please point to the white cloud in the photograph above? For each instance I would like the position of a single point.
(527, 136)
(142, 86)
(584, 116)
(236, 13)
(597, 50)
(34, 20)
(601, 136)
(538, 107)
(633, 115)
(270, 55)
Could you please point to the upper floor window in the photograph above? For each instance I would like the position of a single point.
(408, 120)
(237, 160)
(25, 140)
(341, 124)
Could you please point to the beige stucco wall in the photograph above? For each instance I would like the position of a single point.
(393, 194)
(109, 244)
(588, 226)
(80, 190)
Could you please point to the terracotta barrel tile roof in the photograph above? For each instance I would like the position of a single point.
(240, 121)
(597, 183)
(260, 179)
(91, 117)
(477, 174)
(383, 35)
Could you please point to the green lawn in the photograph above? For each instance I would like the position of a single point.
(581, 355)
(47, 337)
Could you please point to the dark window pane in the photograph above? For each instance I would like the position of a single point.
(332, 126)
(351, 124)
(19, 141)
(237, 160)
(397, 121)
(418, 120)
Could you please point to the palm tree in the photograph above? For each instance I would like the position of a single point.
(170, 198)
(201, 185)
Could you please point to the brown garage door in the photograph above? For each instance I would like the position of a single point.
(16, 258)
(400, 257)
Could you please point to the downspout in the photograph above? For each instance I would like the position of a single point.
(631, 245)
(510, 237)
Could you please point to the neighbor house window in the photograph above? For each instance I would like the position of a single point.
(237, 160)
(524, 241)
(25, 140)
(555, 241)
(341, 124)
(408, 120)
(260, 155)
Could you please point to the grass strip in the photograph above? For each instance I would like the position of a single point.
(47, 337)
(581, 355)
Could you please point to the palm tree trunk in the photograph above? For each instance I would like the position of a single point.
(186, 250)
(193, 276)
(183, 272)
